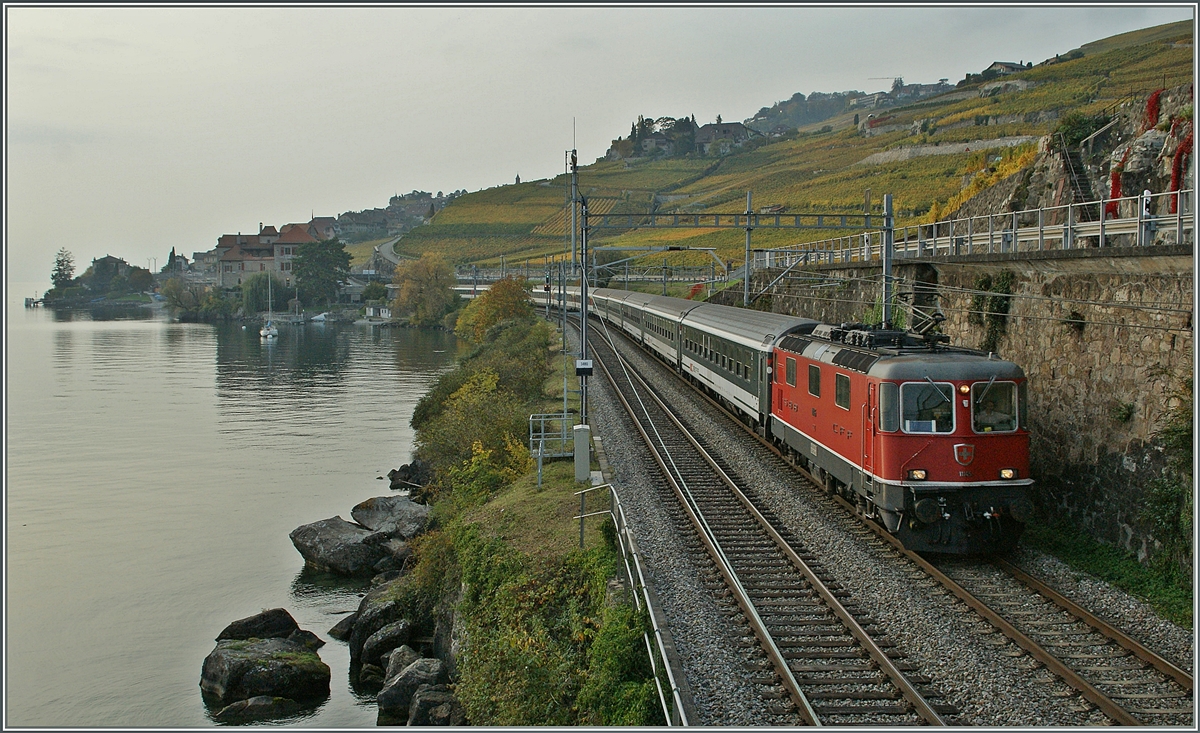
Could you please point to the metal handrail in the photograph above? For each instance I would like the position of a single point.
(992, 233)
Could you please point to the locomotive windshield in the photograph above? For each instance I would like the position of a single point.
(993, 407)
(927, 407)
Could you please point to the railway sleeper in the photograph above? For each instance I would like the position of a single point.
(828, 695)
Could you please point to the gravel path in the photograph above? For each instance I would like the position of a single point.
(990, 680)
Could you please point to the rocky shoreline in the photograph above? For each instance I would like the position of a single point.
(266, 668)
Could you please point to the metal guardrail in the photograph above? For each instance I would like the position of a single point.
(551, 435)
(676, 713)
(1045, 229)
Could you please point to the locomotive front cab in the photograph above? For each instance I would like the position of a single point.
(953, 456)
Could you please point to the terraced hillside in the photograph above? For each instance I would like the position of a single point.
(925, 154)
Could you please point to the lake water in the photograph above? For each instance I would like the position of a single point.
(154, 471)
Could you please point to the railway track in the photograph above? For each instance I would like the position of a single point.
(1127, 682)
(828, 662)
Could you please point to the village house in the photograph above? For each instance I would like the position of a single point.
(238, 256)
(1001, 68)
(656, 142)
(720, 137)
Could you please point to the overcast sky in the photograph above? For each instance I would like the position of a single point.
(132, 130)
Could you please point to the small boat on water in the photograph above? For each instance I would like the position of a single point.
(268, 331)
(320, 317)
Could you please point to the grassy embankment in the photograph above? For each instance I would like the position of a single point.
(546, 644)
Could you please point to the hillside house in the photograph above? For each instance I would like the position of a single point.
(870, 101)
(323, 227)
(1002, 68)
(658, 142)
(721, 137)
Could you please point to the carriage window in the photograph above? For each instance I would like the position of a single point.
(841, 390)
(814, 380)
(889, 407)
(927, 407)
(1023, 404)
(993, 407)
(791, 371)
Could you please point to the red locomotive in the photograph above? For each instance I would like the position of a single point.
(929, 439)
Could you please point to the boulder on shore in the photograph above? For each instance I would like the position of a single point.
(335, 545)
(262, 707)
(241, 669)
(341, 630)
(396, 696)
(274, 623)
(382, 642)
(398, 659)
(398, 516)
(410, 475)
(376, 610)
(435, 705)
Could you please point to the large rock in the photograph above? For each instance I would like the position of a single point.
(398, 516)
(337, 546)
(341, 630)
(410, 476)
(275, 623)
(398, 659)
(262, 707)
(240, 669)
(376, 610)
(382, 642)
(435, 705)
(397, 694)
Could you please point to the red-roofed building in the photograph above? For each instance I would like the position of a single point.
(323, 227)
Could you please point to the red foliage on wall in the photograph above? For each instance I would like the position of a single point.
(1151, 120)
(1110, 209)
(1177, 166)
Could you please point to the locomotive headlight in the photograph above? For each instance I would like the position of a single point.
(1007, 473)
(964, 388)
(917, 474)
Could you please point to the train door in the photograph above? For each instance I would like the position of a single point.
(868, 432)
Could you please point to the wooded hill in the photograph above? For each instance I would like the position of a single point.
(822, 167)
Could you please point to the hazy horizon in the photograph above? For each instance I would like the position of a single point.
(131, 130)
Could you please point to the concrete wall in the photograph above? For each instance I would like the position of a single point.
(1103, 340)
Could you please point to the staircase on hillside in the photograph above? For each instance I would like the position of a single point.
(1081, 188)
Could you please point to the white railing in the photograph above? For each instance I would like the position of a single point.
(1138, 221)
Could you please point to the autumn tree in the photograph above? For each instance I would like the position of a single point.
(64, 269)
(181, 296)
(426, 289)
(505, 299)
(320, 267)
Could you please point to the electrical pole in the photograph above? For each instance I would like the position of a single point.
(583, 311)
(746, 274)
(574, 198)
(888, 244)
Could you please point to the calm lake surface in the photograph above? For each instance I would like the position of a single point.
(154, 471)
